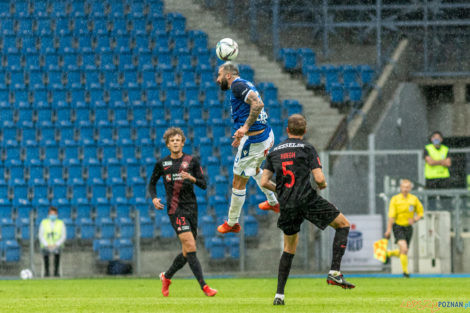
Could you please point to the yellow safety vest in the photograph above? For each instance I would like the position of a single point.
(52, 234)
(436, 171)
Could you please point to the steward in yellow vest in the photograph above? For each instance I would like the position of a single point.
(52, 236)
(436, 170)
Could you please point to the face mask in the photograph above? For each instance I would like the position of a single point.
(436, 141)
(52, 217)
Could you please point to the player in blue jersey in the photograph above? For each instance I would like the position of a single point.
(253, 137)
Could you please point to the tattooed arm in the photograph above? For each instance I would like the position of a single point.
(256, 105)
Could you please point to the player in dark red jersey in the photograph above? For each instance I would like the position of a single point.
(180, 172)
(298, 174)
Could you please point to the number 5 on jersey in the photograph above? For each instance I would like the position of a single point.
(287, 172)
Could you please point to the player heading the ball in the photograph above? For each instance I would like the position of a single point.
(253, 137)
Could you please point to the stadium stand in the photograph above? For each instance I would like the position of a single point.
(87, 90)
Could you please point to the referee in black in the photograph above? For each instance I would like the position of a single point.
(180, 171)
(295, 162)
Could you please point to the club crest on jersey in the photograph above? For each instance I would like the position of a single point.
(411, 208)
(168, 177)
(184, 165)
(167, 163)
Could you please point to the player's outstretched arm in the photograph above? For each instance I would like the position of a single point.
(266, 180)
(319, 178)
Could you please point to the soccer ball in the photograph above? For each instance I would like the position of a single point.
(26, 274)
(227, 49)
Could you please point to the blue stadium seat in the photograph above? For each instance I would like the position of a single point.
(126, 227)
(269, 91)
(147, 149)
(156, 11)
(166, 230)
(164, 57)
(6, 208)
(213, 166)
(62, 109)
(64, 207)
(7, 25)
(105, 227)
(43, 112)
(313, 77)
(70, 149)
(221, 185)
(211, 93)
(251, 226)
(86, 226)
(10, 44)
(233, 246)
(121, 205)
(11, 149)
(89, 148)
(9, 130)
(355, 92)
(73, 169)
(274, 109)
(98, 188)
(89, 61)
(132, 168)
(246, 72)
(138, 23)
(217, 248)
(42, 209)
(218, 127)
(52, 165)
(142, 205)
(11, 251)
(102, 205)
(331, 74)
(77, 8)
(22, 224)
(39, 188)
(349, 75)
(225, 147)
(101, 112)
(79, 188)
(35, 169)
(32, 62)
(293, 106)
(337, 94)
(219, 204)
(203, 147)
(70, 228)
(118, 187)
(82, 207)
(104, 248)
(139, 187)
(124, 249)
(305, 57)
(208, 226)
(15, 168)
(59, 188)
(30, 149)
(366, 73)
(146, 227)
(93, 169)
(7, 229)
(6, 114)
(177, 21)
(117, 10)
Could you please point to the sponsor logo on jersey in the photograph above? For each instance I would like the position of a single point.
(186, 227)
(289, 145)
(168, 163)
(168, 177)
(165, 168)
(178, 229)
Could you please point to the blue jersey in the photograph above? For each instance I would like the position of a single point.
(241, 110)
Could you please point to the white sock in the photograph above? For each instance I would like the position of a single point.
(334, 273)
(269, 194)
(279, 296)
(236, 204)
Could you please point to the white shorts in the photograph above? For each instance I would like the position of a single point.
(251, 155)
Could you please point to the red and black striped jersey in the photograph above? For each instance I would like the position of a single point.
(179, 193)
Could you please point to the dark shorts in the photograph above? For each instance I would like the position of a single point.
(319, 212)
(184, 222)
(402, 233)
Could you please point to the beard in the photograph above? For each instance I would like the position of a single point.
(224, 85)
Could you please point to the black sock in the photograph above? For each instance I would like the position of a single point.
(56, 264)
(178, 263)
(339, 246)
(195, 267)
(46, 265)
(284, 268)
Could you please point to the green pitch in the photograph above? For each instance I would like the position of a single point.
(235, 295)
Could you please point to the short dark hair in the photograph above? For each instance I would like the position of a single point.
(173, 131)
(231, 68)
(53, 208)
(297, 124)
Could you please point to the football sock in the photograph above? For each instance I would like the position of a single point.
(395, 253)
(280, 296)
(334, 273)
(269, 194)
(195, 267)
(339, 246)
(284, 268)
(178, 263)
(404, 263)
(236, 204)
